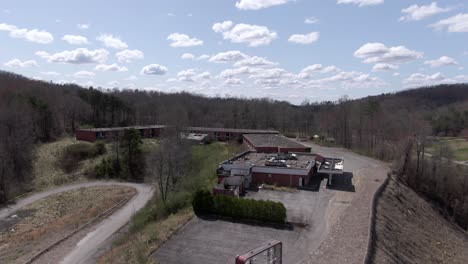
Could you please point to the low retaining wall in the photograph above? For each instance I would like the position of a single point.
(371, 242)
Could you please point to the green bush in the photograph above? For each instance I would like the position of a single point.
(78, 152)
(156, 210)
(239, 208)
(202, 202)
(99, 148)
(108, 168)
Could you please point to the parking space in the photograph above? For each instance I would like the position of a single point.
(216, 241)
(302, 206)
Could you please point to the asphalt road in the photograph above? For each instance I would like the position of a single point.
(85, 248)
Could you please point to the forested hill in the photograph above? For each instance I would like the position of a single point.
(66, 107)
(34, 111)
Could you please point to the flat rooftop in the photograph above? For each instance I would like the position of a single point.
(331, 166)
(292, 160)
(108, 129)
(193, 136)
(195, 129)
(232, 130)
(267, 140)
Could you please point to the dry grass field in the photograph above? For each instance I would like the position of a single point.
(40, 224)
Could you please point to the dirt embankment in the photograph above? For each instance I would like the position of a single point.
(410, 229)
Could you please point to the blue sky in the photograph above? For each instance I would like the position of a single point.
(292, 50)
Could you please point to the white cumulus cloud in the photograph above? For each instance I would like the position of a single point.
(187, 56)
(348, 80)
(361, 3)
(253, 35)
(379, 53)
(233, 81)
(75, 39)
(203, 57)
(83, 26)
(442, 61)
(384, 67)
(32, 35)
(182, 40)
(254, 62)
(111, 67)
(230, 73)
(17, 63)
(153, 69)
(420, 79)
(311, 20)
(50, 73)
(112, 42)
(258, 4)
(191, 75)
(416, 12)
(458, 23)
(222, 27)
(229, 56)
(129, 55)
(308, 71)
(304, 39)
(77, 56)
(84, 74)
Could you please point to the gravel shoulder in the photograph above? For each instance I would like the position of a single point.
(349, 214)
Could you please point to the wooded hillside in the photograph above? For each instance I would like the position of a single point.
(36, 111)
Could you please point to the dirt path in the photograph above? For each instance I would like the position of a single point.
(85, 247)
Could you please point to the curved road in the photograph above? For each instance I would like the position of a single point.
(105, 229)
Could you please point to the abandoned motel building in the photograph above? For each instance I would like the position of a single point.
(271, 158)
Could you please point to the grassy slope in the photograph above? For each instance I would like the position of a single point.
(46, 166)
(147, 235)
(411, 230)
(458, 145)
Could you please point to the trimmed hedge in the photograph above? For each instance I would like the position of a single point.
(239, 208)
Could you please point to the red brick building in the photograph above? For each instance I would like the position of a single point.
(93, 134)
(219, 134)
(293, 169)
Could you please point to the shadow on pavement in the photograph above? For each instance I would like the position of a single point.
(343, 183)
(314, 183)
(285, 226)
